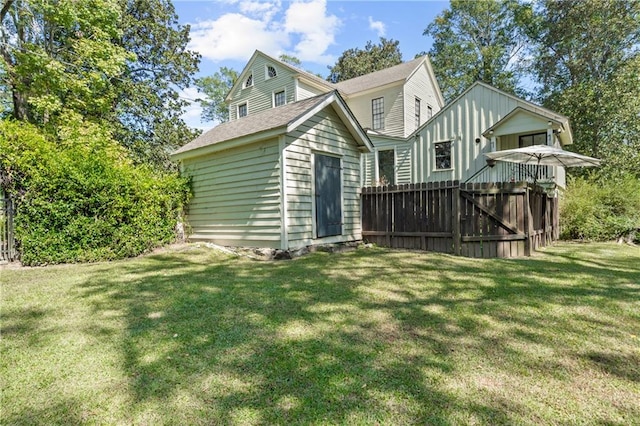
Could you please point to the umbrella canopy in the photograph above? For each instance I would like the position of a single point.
(543, 155)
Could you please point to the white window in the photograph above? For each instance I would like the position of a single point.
(242, 110)
(249, 81)
(279, 98)
(443, 155)
(271, 72)
(377, 113)
(417, 112)
(429, 112)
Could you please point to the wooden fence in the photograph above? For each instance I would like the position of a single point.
(8, 251)
(474, 220)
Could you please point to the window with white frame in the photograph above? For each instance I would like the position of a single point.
(279, 98)
(249, 81)
(271, 72)
(443, 155)
(242, 110)
(386, 167)
(429, 112)
(535, 139)
(417, 112)
(377, 113)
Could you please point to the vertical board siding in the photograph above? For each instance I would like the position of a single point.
(259, 97)
(324, 133)
(472, 220)
(236, 197)
(462, 122)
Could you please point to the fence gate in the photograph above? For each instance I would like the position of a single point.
(8, 252)
(473, 220)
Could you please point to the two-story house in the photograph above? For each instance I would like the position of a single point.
(286, 170)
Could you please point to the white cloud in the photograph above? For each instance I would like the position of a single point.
(377, 26)
(264, 26)
(316, 29)
(265, 10)
(235, 36)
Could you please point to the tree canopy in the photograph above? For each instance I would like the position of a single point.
(477, 40)
(119, 63)
(215, 88)
(586, 57)
(374, 57)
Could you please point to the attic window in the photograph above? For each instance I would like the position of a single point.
(249, 81)
(271, 72)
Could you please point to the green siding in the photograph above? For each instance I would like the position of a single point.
(236, 196)
(324, 133)
(259, 97)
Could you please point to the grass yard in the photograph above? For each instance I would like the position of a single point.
(195, 336)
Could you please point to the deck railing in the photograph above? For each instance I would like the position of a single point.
(512, 172)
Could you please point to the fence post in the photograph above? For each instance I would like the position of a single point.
(528, 226)
(456, 219)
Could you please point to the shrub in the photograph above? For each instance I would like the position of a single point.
(600, 209)
(81, 199)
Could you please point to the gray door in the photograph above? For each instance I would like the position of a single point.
(328, 196)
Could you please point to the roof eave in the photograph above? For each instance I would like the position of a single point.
(229, 144)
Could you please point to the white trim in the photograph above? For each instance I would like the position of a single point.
(395, 164)
(345, 115)
(230, 143)
(238, 109)
(314, 221)
(244, 83)
(284, 213)
(451, 156)
(266, 71)
(273, 97)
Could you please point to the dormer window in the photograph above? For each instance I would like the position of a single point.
(249, 81)
(271, 72)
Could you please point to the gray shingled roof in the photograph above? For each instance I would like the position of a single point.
(379, 78)
(259, 122)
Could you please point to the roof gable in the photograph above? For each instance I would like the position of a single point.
(395, 74)
(270, 123)
(242, 77)
(566, 135)
(522, 120)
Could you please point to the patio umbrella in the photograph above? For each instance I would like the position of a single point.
(543, 155)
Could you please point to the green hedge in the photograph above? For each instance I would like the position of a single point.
(80, 198)
(600, 209)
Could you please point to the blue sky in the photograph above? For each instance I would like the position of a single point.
(227, 32)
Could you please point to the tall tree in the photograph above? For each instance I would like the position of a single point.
(149, 106)
(374, 57)
(119, 63)
(587, 60)
(60, 56)
(216, 87)
(477, 40)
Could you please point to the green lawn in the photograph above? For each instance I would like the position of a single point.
(194, 336)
